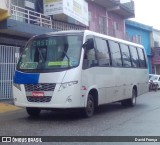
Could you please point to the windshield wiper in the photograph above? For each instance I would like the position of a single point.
(41, 55)
(67, 58)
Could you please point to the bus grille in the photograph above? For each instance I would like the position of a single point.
(39, 99)
(39, 87)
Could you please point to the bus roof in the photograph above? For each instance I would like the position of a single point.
(88, 32)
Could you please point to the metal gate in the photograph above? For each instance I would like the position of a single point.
(8, 58)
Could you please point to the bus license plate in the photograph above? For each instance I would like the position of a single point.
(37, 94)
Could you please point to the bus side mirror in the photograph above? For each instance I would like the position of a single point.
(89, 44)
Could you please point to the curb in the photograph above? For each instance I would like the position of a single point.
(7, 106)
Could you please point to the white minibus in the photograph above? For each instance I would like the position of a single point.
(79, 69)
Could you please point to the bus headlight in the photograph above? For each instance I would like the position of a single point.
(17, 86)
(68, 84)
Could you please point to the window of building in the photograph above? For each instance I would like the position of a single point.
(139, 39)
(125, 55)
(116, 26)
(19, 15)
(134, 56)
(102, 25)
(30, 4)
(102, 52)
(136, 39)
(90, 16)
(142, 60)
(115, 54)
(19, 3)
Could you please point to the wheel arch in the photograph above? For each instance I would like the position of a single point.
(136, 90)
(94, 93)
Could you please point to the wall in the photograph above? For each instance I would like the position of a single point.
(156, 60)
(95, 11)
(4, 4)
(114, 25)
(155, 38)
(156, 55)
(10, 27)
(4, 9)
(114, 19)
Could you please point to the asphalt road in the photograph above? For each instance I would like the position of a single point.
(110, 120)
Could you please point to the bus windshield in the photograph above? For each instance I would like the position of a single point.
(51, 53)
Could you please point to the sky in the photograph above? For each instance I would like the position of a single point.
(148, 12)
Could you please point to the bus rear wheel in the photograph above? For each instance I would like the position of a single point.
(132, 101)
(34, 112)
(90, 108)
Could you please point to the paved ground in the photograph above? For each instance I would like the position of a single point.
(110, 120)
(6, 107)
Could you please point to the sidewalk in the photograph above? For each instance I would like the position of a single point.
(7, 106)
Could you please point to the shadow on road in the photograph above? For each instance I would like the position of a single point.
(78, 115)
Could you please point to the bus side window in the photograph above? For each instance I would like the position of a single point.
(134, 55)
(142, 60)
(125, 55)
(89, 55)
(115, 54)
(102, 52)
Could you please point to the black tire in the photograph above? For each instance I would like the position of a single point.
(150, 88)
(90, 108)
(34, 112)
(132, 101)
(156, 87)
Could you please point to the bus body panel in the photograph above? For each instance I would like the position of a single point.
(115, 84)
(56, 77)
(59, 97)
(96, 76)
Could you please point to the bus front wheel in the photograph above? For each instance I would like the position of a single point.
(90, 107)
(34, 112)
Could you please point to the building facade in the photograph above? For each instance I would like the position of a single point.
(141, 34)
(21, 19)
(109, 17)
(155, 51)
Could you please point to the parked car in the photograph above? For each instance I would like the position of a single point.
(150, 75)
(155, 79)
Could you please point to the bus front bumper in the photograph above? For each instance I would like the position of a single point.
(59, 100)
